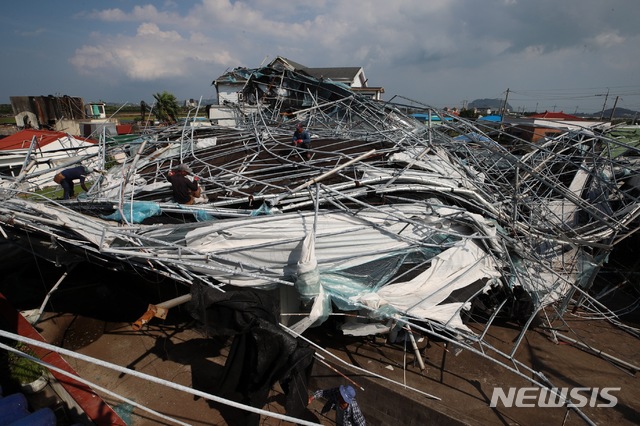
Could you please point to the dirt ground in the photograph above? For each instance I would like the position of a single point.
(92, 315)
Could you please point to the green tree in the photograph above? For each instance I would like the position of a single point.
(166, 107)
(468, 113)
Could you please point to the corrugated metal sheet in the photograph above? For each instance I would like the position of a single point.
(49, 109)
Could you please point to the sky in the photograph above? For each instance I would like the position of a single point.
(575, 56)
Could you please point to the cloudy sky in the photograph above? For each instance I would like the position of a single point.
(556, 55)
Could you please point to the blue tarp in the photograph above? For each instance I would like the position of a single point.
(425, 117)
(135, 212)
(492, 118)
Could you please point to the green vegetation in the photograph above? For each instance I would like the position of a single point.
(21, 369)
(5, 109)
(53, 192)
(6, 114)
(166, 108)
(468, 113)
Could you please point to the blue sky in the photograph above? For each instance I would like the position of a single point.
(562, 55)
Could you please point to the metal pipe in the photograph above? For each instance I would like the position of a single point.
(598, 352)
(310, 182)
(415, 348)
(159, 311)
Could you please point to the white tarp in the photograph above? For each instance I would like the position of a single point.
(452, 269)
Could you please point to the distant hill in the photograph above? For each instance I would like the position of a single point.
(493, 104)
(622, 113)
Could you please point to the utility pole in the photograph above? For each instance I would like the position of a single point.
(613, 110)
(605, 103)
(504, 106)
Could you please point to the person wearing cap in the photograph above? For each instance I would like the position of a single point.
(301, 139)
(66, 177)
(185, 190)
(343, 400)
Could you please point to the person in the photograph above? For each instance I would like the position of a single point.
(343, 400)
(66, 177)
(185, 191)
(302, 140)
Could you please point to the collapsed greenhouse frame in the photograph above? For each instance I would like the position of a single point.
(388, 210)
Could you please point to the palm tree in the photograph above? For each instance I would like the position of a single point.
(166, 109)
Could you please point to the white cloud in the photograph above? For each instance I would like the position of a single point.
(147, 13)
(608, 39)
(152, 31)
(415, 39)
(151, 54)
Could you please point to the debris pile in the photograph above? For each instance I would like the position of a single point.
(425, 225)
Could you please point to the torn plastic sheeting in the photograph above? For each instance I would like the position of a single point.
(308, 277)
(354, 328)
(274, 242)
(135, 212)
(452, 269)
(320, 311)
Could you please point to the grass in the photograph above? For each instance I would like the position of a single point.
(53, 192)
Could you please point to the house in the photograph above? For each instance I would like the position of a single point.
(547, 124)
(284, 84)
(229, 85)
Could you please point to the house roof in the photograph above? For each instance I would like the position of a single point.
(23, 138)
(237, 75)
(556, 116)
(295, 65)
(342, 74)
(339, 74)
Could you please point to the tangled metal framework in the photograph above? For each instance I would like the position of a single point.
(429, 224)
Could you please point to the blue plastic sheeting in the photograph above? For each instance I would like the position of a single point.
(262, 210)
(135, 212)
(14, 412)
(492, 118)
(425, 117)
(202, 216)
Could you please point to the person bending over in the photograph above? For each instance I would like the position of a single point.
(66, 177)
(343, 400)
(185, 190)
(301, 139)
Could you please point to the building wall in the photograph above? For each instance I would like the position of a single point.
(228, 92)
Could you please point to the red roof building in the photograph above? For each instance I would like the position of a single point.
(556, 116)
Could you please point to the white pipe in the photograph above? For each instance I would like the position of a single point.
(91, 385)
(153, 379)
(368, 372)
(310, 182)
(415, 348)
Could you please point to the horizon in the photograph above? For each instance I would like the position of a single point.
(577, 55)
